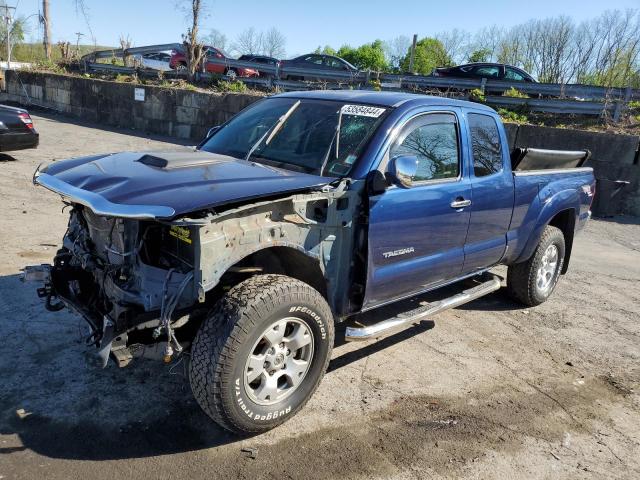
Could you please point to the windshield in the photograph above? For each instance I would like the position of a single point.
(313, 136)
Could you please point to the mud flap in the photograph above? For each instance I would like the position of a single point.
(106, 340)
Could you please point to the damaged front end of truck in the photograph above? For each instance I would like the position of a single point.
(142, 275)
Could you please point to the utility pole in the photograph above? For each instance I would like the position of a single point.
(46, 35)
(8, 19)
(78, 35)
(412, 58)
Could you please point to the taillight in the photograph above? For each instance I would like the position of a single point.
(590, 191)
(26, 119)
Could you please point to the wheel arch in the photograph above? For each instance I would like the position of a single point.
(560, 211)
(291, 260)
(565, 220)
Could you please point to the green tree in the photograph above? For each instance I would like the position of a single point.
(17, 33)
(369, 56)
(430, 54)
(480, 55)
(326, 50)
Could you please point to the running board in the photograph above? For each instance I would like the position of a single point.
(389, 326)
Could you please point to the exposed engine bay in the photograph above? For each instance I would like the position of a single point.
(123, 275)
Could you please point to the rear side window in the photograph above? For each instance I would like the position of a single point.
(433, 139)
(486, 146)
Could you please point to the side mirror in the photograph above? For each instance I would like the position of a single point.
(402, 170)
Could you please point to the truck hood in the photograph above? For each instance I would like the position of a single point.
(162, 185)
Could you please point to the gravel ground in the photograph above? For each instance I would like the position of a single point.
(489, 390)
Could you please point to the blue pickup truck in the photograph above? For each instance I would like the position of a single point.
(303, 211)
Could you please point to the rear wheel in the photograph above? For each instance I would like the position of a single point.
(231, 73)
(261, 353)
(533, 281)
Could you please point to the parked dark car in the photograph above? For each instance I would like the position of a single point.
(492, 71)
(179, 62)
(261, 59)
(17, 131)
(315, 61)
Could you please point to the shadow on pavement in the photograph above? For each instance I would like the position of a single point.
(622, 219)
(5, 157)
(61, 406)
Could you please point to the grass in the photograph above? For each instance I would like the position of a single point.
(512, 117)
(225, 86)
(477, 95)
(512, 92)
(34, 52)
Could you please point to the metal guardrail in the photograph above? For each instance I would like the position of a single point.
(552, 105)
(554, 98)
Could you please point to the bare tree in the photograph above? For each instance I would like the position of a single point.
(195, 49)
(248, 42)
(251, 41)
(273, 43)
(455, 43)
(125, 44)
(396, 49)
(216, 39)
(488, 38)
(603, 51)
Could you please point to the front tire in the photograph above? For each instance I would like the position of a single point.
(533, 281)
(261, 353)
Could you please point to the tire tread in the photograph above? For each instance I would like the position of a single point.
(229, 324)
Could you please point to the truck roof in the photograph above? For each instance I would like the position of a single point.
(385, 99)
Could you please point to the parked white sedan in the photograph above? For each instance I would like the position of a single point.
(155, 61)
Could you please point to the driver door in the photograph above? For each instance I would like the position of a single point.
(417, 234)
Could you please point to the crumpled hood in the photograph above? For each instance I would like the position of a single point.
(152, 184)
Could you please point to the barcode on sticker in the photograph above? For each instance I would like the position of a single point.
(362, 110)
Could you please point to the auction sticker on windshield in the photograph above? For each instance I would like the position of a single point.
(362, 110)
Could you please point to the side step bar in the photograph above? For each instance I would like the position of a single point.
(389, 326)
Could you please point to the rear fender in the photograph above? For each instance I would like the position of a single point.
(552, 205)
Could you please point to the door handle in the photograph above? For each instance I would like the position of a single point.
(460, 203)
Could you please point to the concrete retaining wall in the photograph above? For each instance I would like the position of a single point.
(188, 115)
(613, 157)
(166, 111)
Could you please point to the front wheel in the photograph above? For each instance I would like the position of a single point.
(261, 353)
(533, 281)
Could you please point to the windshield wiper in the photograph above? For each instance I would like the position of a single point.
(272, 132)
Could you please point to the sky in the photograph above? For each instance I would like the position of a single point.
(305, 24)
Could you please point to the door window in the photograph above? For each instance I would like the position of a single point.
(487, 71)
(334, 63)
(512, 74)
(433, 139)
(485, 143)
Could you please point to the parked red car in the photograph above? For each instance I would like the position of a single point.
(179, 62)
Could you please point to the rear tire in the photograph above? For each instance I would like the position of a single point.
(533, 281)
(261, 353)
